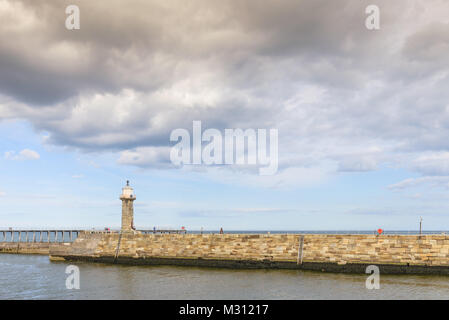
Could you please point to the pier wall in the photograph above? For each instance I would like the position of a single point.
(30, 247)
(184, 246)
(391, 249)
(340, 253)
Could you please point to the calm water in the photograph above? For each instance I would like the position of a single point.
(35, 277)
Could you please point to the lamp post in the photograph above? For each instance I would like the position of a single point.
(420, 226)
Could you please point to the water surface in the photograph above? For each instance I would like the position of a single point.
(35, 277)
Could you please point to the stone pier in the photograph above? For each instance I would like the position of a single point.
(427, 254)
(42, 248)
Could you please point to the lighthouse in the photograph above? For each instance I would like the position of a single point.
(127, 198)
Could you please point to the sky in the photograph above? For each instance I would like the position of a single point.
(362, 115)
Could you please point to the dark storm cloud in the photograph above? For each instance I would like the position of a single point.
(141, 45)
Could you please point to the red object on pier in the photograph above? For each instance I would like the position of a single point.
(379, 231)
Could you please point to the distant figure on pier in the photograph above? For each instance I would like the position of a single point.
(221, 231)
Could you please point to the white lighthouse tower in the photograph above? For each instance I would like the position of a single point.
(127, 198)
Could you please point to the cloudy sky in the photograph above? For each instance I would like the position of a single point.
(362, 115)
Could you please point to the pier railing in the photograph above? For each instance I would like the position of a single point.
(60, 235)
(148, 231)
(39, 235)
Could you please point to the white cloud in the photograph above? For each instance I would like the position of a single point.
(285, 178)
(157, 157)
(428, 182)
(357, 164)
(2, 194)
(25, 154)
(434, 163)
(334, 94)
